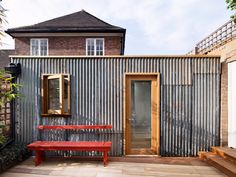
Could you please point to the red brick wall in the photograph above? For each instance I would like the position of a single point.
(22, 46)
(112, 45)
(68, 45)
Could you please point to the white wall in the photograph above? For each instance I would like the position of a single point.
(232, 104)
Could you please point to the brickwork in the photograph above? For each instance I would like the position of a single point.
(227, 53)
(22, 46)
(68, 45)
(224, 106)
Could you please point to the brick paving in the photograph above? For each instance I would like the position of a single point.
(118, 167)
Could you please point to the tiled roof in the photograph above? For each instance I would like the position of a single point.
(81, 21)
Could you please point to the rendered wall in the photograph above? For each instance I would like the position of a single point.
(232, 104)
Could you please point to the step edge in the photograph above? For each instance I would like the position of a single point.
(225, 155)
(232, 166)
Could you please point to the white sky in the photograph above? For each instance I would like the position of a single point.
(153, 26)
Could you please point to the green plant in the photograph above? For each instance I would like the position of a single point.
(8, 92)
(3, 139)
(12, 154)
(232, 6)
(8, 89)
(3, 20)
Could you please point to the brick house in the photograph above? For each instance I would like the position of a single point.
(157, 105)
(78, 33)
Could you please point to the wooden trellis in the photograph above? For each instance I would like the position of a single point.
(219, 37)
(5, 114)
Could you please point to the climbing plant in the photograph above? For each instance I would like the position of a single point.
(8, 89)
(8, 92)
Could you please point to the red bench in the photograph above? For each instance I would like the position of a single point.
(41, 146)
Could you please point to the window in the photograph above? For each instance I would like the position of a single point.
(39, 47)
(56, 94)
(94, 47)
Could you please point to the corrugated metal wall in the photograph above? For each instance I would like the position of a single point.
(190, 99)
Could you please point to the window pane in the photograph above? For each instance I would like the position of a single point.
(34, 47)
(43, 47)
(39, 47)
(90, 46)
(99, 47)
(66, 83)
(141, 114)
(53, 96)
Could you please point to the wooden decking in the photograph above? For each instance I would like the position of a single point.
(223, 158)
(73, 167)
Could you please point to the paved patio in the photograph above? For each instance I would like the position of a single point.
(118, 167)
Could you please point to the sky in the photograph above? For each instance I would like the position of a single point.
(153, 27)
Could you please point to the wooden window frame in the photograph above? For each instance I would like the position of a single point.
(45, 94)
(39, 47)
(95, 46)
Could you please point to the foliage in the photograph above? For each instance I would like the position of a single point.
(8, 90)
(2, 20)
(3, 139)
(13, 154)
(232, 6)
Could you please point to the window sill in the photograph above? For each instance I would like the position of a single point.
(56, 115)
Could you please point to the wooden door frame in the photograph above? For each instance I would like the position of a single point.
(126, 75)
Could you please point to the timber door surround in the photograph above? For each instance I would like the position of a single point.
(142, 113)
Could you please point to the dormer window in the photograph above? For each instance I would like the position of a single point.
(38, 47)
(94, 46)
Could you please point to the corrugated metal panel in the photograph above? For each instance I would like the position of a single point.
(190, 100)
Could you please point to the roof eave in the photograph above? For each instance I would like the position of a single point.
(12, 32)
(59, 30)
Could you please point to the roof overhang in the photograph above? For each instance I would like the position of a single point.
(59, 31)
(65, 34)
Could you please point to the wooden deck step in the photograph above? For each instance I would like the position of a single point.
(226, 152)
(222, 164)
(203, 154)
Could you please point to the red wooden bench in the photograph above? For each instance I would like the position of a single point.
(41, 146)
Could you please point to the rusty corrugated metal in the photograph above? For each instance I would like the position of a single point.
(190, 99)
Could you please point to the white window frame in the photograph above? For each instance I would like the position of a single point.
(38, 39)
(95, 48)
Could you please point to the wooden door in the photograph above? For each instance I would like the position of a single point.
(142, 114)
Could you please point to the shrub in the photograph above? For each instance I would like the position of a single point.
(3, 139)
(13, 154)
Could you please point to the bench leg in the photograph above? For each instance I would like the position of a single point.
(42, 155)
(105, 158)
(38, 157)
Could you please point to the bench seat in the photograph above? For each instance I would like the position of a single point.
(41, 146)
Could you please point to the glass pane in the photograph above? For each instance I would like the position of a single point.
(34, 47)
(66, 95)
(90, 46)
(53, 96)
(99, 47)
(141, 114)
(43, 47)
